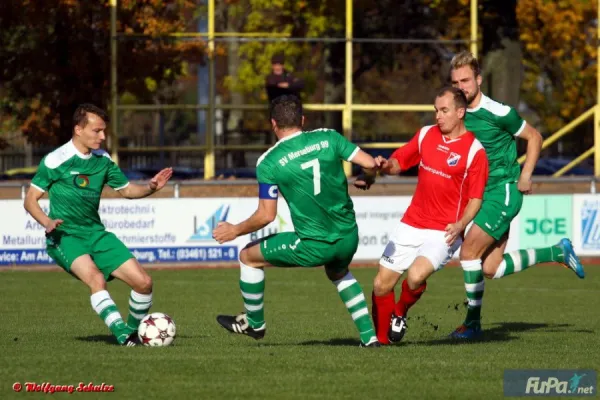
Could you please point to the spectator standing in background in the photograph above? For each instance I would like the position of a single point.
(281, 82)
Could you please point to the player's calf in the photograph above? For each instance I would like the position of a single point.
(354, 298)
(383, 301)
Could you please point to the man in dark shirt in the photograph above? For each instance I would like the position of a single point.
(281, 82)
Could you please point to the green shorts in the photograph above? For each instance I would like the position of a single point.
(105, 249)
(288, 250)
(500, 206)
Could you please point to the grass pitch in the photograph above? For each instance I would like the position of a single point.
(542, 318)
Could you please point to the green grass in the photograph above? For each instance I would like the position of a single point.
(542, 318)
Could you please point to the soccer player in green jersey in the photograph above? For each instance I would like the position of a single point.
(306, 168)
(497, 126)
(74, 176)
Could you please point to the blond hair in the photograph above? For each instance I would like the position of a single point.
(465, 58)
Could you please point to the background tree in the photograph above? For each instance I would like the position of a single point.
(559, 44)
(55, 54)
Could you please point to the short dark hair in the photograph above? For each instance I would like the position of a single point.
(460, 99)
(80, 114)
(287, 111)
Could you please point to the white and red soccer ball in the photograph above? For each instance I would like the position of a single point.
(157, 329)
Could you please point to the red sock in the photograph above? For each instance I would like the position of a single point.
(408, 298)
(383, 307)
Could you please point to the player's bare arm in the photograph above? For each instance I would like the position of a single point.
(534, 147)
(133, 191)
(453, 231)
(263, 216)
(32, 206)
(370, 166)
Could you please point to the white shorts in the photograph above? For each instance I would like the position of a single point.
(407, 243)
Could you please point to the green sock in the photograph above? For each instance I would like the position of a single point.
(107, 310)
(353, 297)
(520, 260)
(139, 304)
(252, 286)
(474, 286)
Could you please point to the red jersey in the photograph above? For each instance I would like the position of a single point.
(451, 171)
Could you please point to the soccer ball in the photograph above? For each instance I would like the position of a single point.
(157, 329)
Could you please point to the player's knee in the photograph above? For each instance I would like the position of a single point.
(468, 252)
(416, 278)
(244, 258)
(489, 271)
(144, 286)
(335, 274)
(96, 282)
(381, 286)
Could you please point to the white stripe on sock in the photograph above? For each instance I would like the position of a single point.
(516, 256)
(253, 307)
(531, 254)
(100, 300)
(142, 306)
(357, 314)
(251, 275)
(345, 282)
(500, 271)
(474, 287)
(140, 297)
(136, 315)
(112, 318)
(471, 265)
(252, 296)
(355, 301)
(474, 302)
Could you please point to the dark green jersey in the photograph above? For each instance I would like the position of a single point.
(307, 169)
(74, 182)
(496, 126)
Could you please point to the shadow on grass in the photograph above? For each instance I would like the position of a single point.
(336, 342)
(501, 332)
(109, 339)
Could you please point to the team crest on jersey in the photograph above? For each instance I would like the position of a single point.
(453, 159)
(81, 181)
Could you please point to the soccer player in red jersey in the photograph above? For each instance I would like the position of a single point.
(453, 171)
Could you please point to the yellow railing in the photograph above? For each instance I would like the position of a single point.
(565, 130)
(209, 148)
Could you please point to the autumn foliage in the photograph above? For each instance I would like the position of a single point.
(55, 54)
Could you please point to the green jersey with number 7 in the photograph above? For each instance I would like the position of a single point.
(307, 169)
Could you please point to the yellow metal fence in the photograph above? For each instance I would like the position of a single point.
(209, 148)
(347, 108)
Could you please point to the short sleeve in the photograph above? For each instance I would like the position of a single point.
(267, 186)
(264, 174)
(512, 122)
(408, 155)
(116, 178)
(43, 177)
(345, 149)
(477, 175)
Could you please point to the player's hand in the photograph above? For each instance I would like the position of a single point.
(381, 162)
(453, 232)
(224, 232)
(364, 181)
(525, 185)
(283, 84)
(160, 180)
(53, 224)
(384, 164)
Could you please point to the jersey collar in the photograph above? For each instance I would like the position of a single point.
(293, 135)
(483, 99)
(77, 152)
